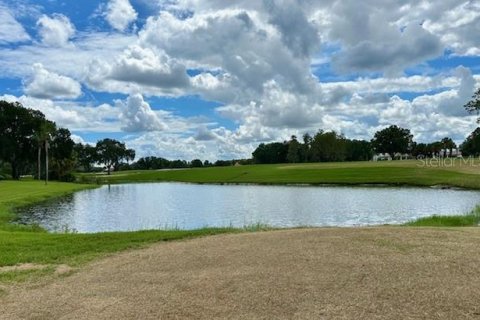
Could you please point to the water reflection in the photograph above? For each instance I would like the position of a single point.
(189, 206)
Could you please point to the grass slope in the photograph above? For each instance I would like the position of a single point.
(468, 220)
(21, 244)
(31, 245)
(347, 173)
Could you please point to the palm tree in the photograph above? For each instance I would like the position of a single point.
(41, 137)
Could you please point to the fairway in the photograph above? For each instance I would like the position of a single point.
(406, 172)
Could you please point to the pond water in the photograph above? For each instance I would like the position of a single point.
(188, 206)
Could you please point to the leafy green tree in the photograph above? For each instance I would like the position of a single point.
(392, 140)
(196, 163)
(18, 128)
(358, 150)
(111, 153)
(294, 153)
(420, 150)
(328, 146)
(471, 145)
(275, 152)
(474, 104)
(307, 147)
(61, 151)
(435, 148)
(86, 156)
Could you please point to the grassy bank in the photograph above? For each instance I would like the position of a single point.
(471, 219)
(412, 172)
(22, 244)
(22, 193)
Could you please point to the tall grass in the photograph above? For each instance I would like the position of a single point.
(467, 220)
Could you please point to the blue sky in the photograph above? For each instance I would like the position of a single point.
(213, 79)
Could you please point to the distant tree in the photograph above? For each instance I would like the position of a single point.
(275, 152)
(196, 163)
(307, 146)
(358, 150)
(61, 151)
(474, 104)
(294, 153)
(392, 140)
(18, 128)
(41, 137)
(111, 153)
(328, 146)
(471, 145)
(435, 148)
(420, 150)
(223, 163)
(86, 156)
(448, 146)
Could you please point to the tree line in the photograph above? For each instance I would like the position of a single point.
(30, 144)
(329, 146)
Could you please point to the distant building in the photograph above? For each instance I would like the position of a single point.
(446, 153)
(382, 157)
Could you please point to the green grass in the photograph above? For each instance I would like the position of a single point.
(27, 244)
(468, 220)
(14, 194)
(346, 173)
(23, 244)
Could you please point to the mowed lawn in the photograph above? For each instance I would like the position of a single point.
(411, 172)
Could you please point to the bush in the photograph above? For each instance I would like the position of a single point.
(68, 178)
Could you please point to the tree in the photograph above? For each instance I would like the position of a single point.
(449, 145)
(61, 151)
(196, 163)
(294, 150)
(474, 104)
(392, 140)
(86, 156)
(307, 146)
(111, 153)
(358, 150)
(328, 146)
(18, 128)
(41, 137)
(471, 145)
(275, 152)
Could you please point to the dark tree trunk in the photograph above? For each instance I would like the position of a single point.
(39, 163)
(46, 162)
(15, 174)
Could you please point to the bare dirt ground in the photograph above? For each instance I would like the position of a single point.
(364, 273)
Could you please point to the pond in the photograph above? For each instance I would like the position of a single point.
(131, 207)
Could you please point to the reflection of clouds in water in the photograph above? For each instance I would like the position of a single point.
(189, 206)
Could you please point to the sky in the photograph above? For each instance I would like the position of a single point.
(212, 79)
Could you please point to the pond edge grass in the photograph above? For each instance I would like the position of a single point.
(471, 219)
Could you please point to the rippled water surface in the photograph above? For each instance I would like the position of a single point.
(189, 206)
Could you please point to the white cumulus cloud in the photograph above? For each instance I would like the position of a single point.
(55, 30)
(137, 115)
(120, 14)
(50, 85)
